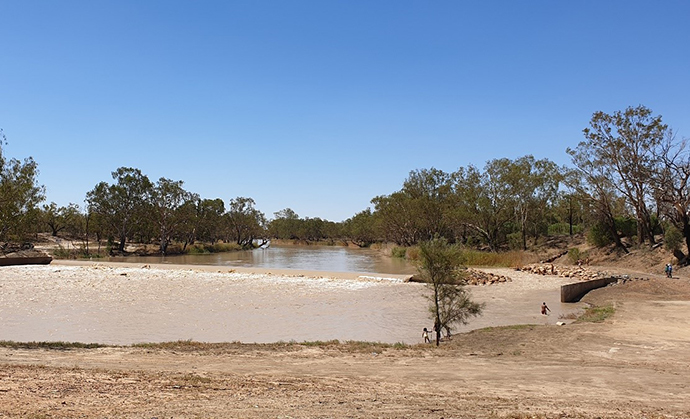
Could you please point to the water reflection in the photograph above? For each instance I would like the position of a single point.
(313, 258)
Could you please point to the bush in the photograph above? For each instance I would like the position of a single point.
(399, 252)
(200, 249)
(563, 229)
(673, 238)
(626, 226)
(576, 255)
(598, 235)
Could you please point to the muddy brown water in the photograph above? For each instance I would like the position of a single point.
(312, 258)
(124, 305)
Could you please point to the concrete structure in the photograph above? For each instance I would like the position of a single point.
(571, 293)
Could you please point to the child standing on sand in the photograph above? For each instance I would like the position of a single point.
(425, 335)
(544, 308)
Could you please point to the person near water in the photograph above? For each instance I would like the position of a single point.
(544, 308)
(425, 335)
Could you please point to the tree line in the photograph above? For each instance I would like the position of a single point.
(629, 179)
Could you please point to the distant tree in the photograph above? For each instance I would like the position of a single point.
(167, 200)
(246, 223)
(123, 203)
(418, 211)
(440, 266)
(672, 188)
(285, 225)
(20, 193)
(361, 229)
(209, 213)
(531, 185)
(60, 218)
(593, 185)
(482, 202)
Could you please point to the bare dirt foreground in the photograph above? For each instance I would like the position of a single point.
(633, 365)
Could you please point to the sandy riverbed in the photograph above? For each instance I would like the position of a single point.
(123, 304)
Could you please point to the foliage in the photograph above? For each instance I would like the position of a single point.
(596, 314)
(362, 229)
(20, 194)
(123, 204)
(510, 259)
(562, 229)
(599, 236)
(168, 200)
(440, 265)
(58, 345)
(245, 223)
(623, 146)
(626, 226)
(399, 252)
(575, 255)
(673, 238)
(201, 248)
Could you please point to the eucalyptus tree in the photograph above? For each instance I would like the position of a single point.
(20, 193)
(440, 266)
(245, 222)
(398, 216)
(167, 200)
(121, 203)
(285, 224)
(361, 229)
(594, 187)
(623, 145)
(482, 201)
(419, 210)
(209, 215)
(532, 185)
(672, 185)
(59, 218)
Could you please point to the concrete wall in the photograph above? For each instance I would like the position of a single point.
(571, 293)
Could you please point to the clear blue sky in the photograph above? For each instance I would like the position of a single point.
(320, 105)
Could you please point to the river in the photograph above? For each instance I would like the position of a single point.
(313, 258)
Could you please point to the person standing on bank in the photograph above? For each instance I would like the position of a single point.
(544, 308)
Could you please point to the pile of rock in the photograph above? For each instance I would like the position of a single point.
(580, 272)
(475, 277)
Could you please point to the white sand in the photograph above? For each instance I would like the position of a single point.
(123, 304)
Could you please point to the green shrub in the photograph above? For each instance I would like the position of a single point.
(673, 238)
(598, 235)
(596, 314)
(626, 226)
(399, 252)
(514, 240)
(200, 249)
(562, 229)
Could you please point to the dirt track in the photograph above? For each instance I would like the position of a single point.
(634, 365)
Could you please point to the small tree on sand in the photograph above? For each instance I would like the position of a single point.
(440, 266)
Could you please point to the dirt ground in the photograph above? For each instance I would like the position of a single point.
(632, 365)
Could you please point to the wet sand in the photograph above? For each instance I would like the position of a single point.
(120, 303)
